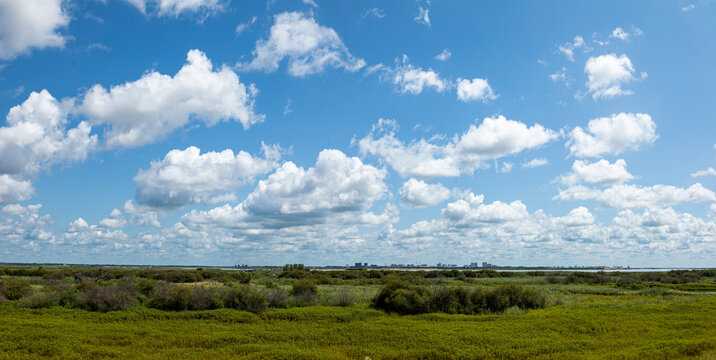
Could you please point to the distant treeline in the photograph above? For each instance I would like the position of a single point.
(564, 277)
(364, 276)
(102, 273)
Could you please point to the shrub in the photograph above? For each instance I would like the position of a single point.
(276, 298)
(145, 286)
(205, 298)
(452, 300)
(342, 298)
(402, 298)
(304, 287)
(95, 297)
(170, 297)
(246, 299)
(15, 289)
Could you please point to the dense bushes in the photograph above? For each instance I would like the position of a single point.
(405, 298)
(14, 289)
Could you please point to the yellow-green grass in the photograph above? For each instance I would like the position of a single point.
(631, 326)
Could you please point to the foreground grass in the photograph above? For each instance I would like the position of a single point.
(586, 326)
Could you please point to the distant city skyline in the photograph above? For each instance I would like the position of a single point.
(329, 132)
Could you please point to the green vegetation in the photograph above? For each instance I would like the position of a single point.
(91, 312)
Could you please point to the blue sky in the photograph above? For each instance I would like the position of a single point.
(221, 132)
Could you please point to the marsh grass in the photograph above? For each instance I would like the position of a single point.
(633, 326)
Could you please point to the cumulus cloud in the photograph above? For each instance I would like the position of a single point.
(24, 226)
(13, 190)
(475, 89)
(189, 177)
(568, 48)
(607, 74)
(178, 7)
(634, 196)
(309, 47)
(619, 33)
(409, 79)
(600, 172)
(577, 217)
(420, 193)
(535, 163)
(31, 24)
(708, 172)
(444, 55)
(142, 111)
(493, 138)
(612, 135)
(37, 136)
(336, 189)
(471, 210)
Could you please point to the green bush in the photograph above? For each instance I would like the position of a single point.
(205, 298)
(95, 297)
(403, 298)
(170, 297)
(276, 298)
(15, 289)
(304, 287)
(246, 299)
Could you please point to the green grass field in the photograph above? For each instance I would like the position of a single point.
(581, 321)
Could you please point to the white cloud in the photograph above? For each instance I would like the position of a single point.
(607, 74)
(631, 196)
(560, 75)
(688, 7)
(444, 55)
(506, 167)
(114, 220)
(477, 89)
(423, 16)
(577, 217)
(178, 7)
(28, 24)
(24, 227)
(409, 79)
(612, 135)
(336, 189)
(310, 3)
(492, 139)
(14, 191)
(707, 172)
(535, 163)
(420, 193)
(309, 47)
(619, 33)
(568, 48)
(37, 136)
(245, 26)
(188, 177)
(142, 111)
(374, 12)
(471, 210)
(600, 172)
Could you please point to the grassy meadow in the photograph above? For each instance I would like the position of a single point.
(94, 313)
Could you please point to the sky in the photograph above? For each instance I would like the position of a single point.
(219, 132)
